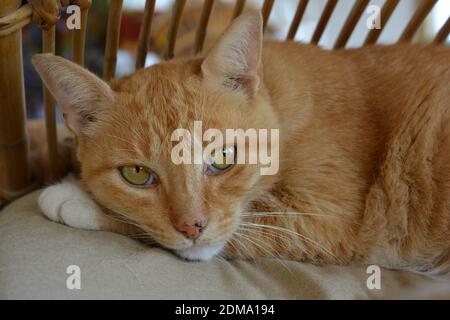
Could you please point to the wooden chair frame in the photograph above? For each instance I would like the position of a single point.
(15, 175)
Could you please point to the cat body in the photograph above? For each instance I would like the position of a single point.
(363, 152)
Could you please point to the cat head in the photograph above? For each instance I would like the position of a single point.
(125, 128)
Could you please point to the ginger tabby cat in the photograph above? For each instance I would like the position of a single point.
(364, 152)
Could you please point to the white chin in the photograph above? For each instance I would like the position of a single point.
(201, 252)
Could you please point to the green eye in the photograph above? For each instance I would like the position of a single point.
(222, 160)
(138, 176)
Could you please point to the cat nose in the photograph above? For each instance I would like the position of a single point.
(192, 229)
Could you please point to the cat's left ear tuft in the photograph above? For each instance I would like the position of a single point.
(234, 63)
(81, 95)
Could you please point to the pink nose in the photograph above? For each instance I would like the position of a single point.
(192, 229)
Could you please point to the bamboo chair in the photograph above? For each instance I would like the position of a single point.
(15, 176)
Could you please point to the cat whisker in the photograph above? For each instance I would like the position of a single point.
(296, 214)
(149, 242)
(252, 239)
(124, 219)
(220, 258)
(231, 243)
(142, 236)
(117, 218)
(243, 246)
(264, 233)
(271, 233)
(285, 214)
(255, 241)
(288, 231)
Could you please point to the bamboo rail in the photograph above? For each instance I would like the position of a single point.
(326, 15)
(112, 39)
(239, 8)
(15, 20)
(417, 19)
(350, 23)
(48, 46)
(79, 35)
(202, 26)
(15, 176)
(299, 13)
(144, 33)
(266, 11)
(174, 25)
(443, 33)
(385, 15)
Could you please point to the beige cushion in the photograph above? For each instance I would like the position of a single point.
(35, 253)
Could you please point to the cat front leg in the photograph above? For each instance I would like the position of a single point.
(67, 203)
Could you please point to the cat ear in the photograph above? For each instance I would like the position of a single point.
(235, 61)
(81, 94)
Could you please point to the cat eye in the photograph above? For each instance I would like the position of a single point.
(137, 176)
(221, 160)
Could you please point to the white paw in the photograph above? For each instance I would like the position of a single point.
(67, 203)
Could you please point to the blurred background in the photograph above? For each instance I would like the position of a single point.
(279, 23)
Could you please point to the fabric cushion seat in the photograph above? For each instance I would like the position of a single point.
(35, 254)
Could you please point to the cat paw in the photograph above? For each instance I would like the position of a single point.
(68, 204)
